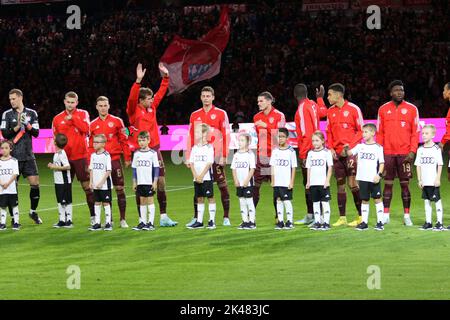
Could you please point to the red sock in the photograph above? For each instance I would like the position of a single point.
(162, 200)
(342, 200)
(122, 203)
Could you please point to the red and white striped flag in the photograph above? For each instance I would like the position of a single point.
(191, 61)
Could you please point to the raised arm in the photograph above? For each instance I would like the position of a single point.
(162, 88)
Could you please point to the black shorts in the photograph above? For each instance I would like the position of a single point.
(9, 200)
(205, 189)
(145, 190)
(244, 192)
(431, 193)
(102, 195)
(283, 193)
(28, 168)
(63, 193)
(369, 190)
(319, 193)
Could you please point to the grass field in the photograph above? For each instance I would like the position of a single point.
(226, 263)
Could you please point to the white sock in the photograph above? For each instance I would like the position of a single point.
(97, 211)
(428, 210)
(244, 210)
(212, 211)
(251, 209)
(107, 214)
(69, 212)
(316, 208)
(2, 216)
(312, 215)
(151, 216)
(62, 212)
(280, 211)
(365, 212)
(379, 207)
(16, 214)
(143, 212)
(200, 212)
(326, 211)
(439, 211)
(162, 216)
(289, 210)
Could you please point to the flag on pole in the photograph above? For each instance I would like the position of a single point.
(191, 61)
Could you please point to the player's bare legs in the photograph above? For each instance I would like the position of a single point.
(34, 198)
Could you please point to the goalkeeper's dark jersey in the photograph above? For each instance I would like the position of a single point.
(23, 148)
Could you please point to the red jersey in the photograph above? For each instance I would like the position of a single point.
(116, 139)
(76, 130)
(344, 126)
(446, 137)
(274, 120)
(219, 137)
(144, 119)
(398, 128)
(306, 122)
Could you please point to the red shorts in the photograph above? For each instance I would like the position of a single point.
(394, 167)
(80, 168)
(344, 167)
(262, 170)
(219, 173)
(117, 173)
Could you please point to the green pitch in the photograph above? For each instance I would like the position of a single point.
(226, 263)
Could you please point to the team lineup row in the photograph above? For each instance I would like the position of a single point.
(397, 132)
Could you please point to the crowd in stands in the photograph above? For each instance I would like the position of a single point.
(271, 48)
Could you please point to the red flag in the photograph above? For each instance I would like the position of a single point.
(191, 61)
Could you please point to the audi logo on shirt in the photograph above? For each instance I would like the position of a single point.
(317, 162)
(144, 163)
(367, 156)
(201, 158)
(282, 163)
(6, 172)
(427, 160)
(241, 164)
(98, 166)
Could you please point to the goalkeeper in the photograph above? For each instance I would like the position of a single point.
(20, 124)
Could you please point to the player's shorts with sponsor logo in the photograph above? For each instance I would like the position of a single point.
(9, 200)
(369, 190)
(145, 190)
(28, 168)
(204, 189)
(102, 195)
(219, 173)
(431, 193)
(284, 193)
(344, 167)
(244, 192)
(262, 170)
(395, 166)
(117, 173)
(319, 193)
(63, 193)
(80, 169)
